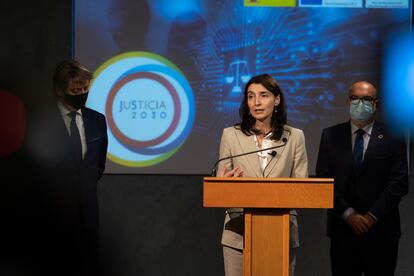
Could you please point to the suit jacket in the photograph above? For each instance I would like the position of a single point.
(377, 187)
(290, 161)
(79, 180)
(65, 205)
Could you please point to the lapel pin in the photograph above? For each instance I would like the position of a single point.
(380, 136)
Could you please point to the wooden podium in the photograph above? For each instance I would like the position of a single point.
(266, 225)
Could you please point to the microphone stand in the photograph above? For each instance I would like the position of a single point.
(214, 170)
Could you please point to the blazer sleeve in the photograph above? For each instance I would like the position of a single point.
(323, 164)
(300, 161)
(397, 181)
(225, 151)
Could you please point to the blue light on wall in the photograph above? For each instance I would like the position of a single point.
(398, 83)
(169, 10)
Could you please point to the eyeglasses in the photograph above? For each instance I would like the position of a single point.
(365, 100)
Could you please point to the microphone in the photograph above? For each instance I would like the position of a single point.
(273, 154)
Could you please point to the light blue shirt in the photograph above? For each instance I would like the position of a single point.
(366, 136)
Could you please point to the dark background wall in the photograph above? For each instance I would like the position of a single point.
(155, 225)
(150, 224)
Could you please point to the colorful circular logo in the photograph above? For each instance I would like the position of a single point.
(148, 104)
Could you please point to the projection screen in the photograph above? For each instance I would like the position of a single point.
(169, 75)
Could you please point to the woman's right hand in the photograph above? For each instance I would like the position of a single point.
(236, 172)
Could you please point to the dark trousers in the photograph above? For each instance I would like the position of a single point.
(368, 255)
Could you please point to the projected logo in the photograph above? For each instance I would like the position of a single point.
(149, 106)
(238, 70)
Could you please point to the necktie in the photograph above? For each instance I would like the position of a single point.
(359, 148)
(75, 137)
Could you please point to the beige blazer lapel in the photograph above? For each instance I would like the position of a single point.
(274, 161)
(247, 144)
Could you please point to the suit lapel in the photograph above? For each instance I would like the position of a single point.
(374, 140)
(345, 144)
(340, 144)
(272, 162)
(247, 144)
(61, 134)
(88, 130)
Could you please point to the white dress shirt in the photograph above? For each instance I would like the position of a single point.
(263, 155)
(79, 123)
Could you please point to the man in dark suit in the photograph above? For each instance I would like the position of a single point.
(85, 156)
(69, 145)
(369, 165)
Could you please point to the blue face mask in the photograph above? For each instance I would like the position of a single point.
(360, 111)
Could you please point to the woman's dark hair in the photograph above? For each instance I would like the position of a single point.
(279, 118)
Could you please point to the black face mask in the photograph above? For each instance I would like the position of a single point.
(76, 101)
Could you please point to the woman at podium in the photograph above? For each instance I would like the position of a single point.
(267, 147)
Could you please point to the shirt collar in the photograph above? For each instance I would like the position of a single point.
(367, 128)
(267, 137)
(64, 111)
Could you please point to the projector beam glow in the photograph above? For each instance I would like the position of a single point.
(398, 83)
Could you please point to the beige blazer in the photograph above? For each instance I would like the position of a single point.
(290, 161)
